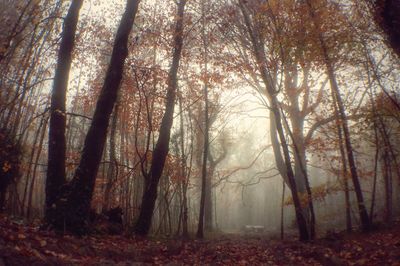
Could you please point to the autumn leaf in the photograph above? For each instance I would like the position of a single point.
(6, 167)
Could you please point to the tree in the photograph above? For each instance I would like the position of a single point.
(57, 143)
(73, 204)
(364, 218)
(160, 152)
(269, 83)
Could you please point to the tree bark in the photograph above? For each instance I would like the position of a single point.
(160, 152)
(57, 125)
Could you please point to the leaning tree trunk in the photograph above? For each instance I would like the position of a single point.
(346, 134)
(73, 205)
(57, 147)
(160, 152)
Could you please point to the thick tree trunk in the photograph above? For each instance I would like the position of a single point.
(57, 146)
(74, 204)
(160, 152)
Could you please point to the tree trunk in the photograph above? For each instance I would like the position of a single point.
(302, 179)
(349, 226)
(74, 204)
(160, 152)
(350, 156)
(57, 148)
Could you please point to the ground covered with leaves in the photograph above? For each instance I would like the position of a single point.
(27, 245)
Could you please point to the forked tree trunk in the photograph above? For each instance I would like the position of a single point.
(57, 142)
(160, 152)
(73, 205)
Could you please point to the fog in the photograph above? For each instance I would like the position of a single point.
(247, 181)
(248, 189)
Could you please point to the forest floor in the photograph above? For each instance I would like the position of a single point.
(27, 245)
